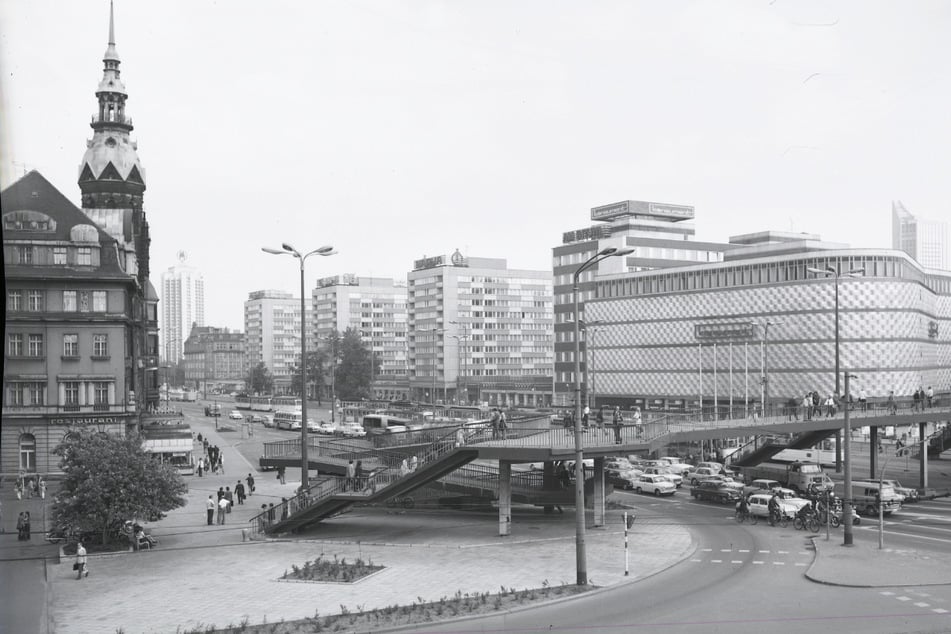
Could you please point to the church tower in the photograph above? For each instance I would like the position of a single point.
(112, 183)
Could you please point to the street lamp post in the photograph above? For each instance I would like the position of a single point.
(289, 250)
(593, 327)
(580, 555)
(464, 337)
(765, 396)
(835, 275)
(434, 332)
(847, 483)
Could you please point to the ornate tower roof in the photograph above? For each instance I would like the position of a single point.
(111, 174)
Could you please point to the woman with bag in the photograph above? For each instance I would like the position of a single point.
(80, 565)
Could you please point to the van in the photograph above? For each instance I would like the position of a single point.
(384, 424)
(865, 497)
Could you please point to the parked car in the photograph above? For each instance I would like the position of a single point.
(622, 479)
(258, 418)
(715, 492)
(718, 466)
(759, 506)
(680, 468)
(676, 478)
(656, 484)
(325, 428)
(790, 497)
(213, 410)
(235, 415)
(697, 474)
(313, 427)
(616, 462)
(268, 421)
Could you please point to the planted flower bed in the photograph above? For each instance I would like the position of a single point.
(336, 571)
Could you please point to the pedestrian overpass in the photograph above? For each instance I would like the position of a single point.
(443, 456)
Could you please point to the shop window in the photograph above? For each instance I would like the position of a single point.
(27, 444)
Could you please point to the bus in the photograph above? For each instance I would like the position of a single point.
(171, 445)
(291, 419)
(255, 403)
(285, 402)
(384, 424)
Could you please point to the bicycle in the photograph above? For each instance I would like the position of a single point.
(810, 522)
(778, 517)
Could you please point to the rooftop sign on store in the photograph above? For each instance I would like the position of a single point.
(642, 208)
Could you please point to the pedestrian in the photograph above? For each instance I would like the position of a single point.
(210, 508)
(239, 492)
(358, 476)
(81, 567)
(495, 423)
(220, 469)
(18, 489)
(270, 512)
(201, 467)
(599, 418)
(929, 395)
(584, 417)
(283, 509)
(221, 493)
(916, 401)
(263, 517)
(351, 470)
(637, 422)
(21, 525)
(618, 424)
(199, 436)
(460, 437)
(404, 468)
(30, 488)
(890, 403)
(230, 497)
(223, 505)
(250, 481)
(41, 484)
(281, 475)
(503, 425)
(413, 463)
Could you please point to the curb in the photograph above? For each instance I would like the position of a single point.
(825, 582)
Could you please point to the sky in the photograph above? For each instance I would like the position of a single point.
(402, 129)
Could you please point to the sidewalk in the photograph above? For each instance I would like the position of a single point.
(863, 565)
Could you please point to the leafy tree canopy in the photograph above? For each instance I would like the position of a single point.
(316, 361)
(354, 368)
(260, 380)
(111, 479)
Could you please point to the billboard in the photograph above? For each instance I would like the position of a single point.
(642, 208)
(736, 331)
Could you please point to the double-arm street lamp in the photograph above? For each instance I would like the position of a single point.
(580, 556)
(461, 339)
(287, 249)
(592, 328)
(765, 380)
(433, 332)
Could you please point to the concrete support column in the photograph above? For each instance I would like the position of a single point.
(873, 453)
(505, 498)
(599, 519)
(923, 462)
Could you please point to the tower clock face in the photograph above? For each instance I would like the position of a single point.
(111, 142)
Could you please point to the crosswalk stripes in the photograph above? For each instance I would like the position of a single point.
(911, 600)
(756, 558)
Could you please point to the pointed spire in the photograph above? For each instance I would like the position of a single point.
(111, 53)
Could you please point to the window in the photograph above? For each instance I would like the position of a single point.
(35, 346)
(14, 395)
(36, 303)
(27, 445)
(71, 393)
(84, 301)
(59, 255)
(14, 300)
(100, 345)
(84, 256)
(69, 301)
(99, 301)
(71, 345)
(101, 393)
(15, 345)
(25, 255)
(37, 393)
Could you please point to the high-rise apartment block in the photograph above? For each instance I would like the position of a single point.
(376, 308)
(215, 359)
(662, 236)
(479, 331)
(927, 241)
(183, 307)
(272, 324)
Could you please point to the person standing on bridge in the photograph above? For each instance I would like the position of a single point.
(618, 423)
(929, 395)
(351, 474)
(637, 422)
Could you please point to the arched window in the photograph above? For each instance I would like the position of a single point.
(27, 445)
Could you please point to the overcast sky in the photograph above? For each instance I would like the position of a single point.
(394, 130)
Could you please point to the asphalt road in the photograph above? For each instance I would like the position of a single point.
(741, 579)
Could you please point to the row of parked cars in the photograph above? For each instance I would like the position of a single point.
(663, 476)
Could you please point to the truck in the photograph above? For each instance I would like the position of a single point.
(797, 476)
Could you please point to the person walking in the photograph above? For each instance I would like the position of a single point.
(618, 423)
(503, 425)
(351, 471)
(637, 421)
(41, 485)
(82, 568)
(281, 475)
(358, 476)
(230, 497)
(223, 505)
(250, 481)
(929, 395)
(239, 492)
(210, 506)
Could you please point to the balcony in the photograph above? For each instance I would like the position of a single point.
(51, 410)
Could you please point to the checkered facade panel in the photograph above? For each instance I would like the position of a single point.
(896, 335)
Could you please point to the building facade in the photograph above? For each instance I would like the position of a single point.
(761, 326)
(272, 325)
(215, 359)
(183, 307)
(927, 241)
(69, 329)
(661, 234)
(376, 308)
(479, 332)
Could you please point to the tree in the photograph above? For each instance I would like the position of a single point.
(260, 380)
(111, 479)
(355, 367)
(316, 360)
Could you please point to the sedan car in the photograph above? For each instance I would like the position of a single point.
(258, 418)
(910, 495)
(694, 476)
(759, 506)
(674, 477)
(622, 478)
(715, 492)
(325, 428)
(235, 415)
(351, 430)
(656, 484)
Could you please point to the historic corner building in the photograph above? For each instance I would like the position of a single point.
(479, 332)
(674, 337)
(81, 330)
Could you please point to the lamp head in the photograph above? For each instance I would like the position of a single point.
(624, 251)
(325, 250)
(857, 272)
(272, 251)
(607, 251)
(288, 248)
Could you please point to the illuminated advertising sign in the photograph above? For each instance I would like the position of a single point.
(642, 208)
(429, 263)
(740, 331)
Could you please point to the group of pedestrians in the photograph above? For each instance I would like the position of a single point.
(29, 487)
(922, 399)
(355, 476)
(212, 460)
(499, 424)
(617, 421)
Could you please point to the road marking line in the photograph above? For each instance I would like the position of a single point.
(744, 550)
(803, 552)
(939, 610)
(799, 563)
(886, 593)
(783, 552)
(726, 550)
(706, 550)
(764, 551)
(757, 562)
(736, 561)
(903, 598)
(934, 539)
(716, 561)
(921, 604)
(697, 560)
(779, 563)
